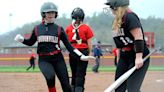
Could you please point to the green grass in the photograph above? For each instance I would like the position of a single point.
(17, 69)
(112, 69)
(89, 69)
(155, 68)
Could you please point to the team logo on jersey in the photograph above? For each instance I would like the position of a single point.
(76, 36)
(79, 41)
(52, 39)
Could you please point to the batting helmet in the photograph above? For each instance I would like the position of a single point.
(117, 3)
(48, 7)
(78, 14)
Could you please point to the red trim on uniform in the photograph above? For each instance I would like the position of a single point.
(36, 30)
(33, 55)
(52, 89)
(59, 34)
(124, 17)
(50, 53)
(114, 51)
(128, 48)
(43, 21)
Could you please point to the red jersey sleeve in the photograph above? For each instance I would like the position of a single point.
(89, 33)
(33, 55)
(114, 51)
(67, 29)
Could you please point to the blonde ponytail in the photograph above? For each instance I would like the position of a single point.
(119, 13)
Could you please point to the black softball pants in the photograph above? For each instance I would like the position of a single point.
(32, 64)
(54, 65)
(126, 62)
(115, 61)
(78, 69)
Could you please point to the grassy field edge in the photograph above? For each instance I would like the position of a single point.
(89, 69)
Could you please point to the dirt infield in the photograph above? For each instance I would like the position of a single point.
(34, 82)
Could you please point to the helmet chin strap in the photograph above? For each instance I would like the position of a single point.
(46, 22)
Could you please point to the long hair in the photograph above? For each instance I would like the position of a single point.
(119, 13)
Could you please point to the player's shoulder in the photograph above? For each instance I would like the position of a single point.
(58, 26)
(69, 26)
(85, 26)
(131, 15)
(37, 25)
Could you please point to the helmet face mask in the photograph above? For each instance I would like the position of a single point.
(78, 14)
(107, 11)
(48, 7)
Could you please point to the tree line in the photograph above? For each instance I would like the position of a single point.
(100, 24)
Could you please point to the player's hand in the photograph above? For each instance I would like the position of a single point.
(138, 63)
(87, 58)
(19, 38)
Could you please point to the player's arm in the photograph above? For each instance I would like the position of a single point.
(138, 46)
(118, 54)
(31, 41)
(135, 29)
(89, 35)
(65, 41)
(89, 42)
(73, 50)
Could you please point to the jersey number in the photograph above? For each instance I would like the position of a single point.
(126, 40)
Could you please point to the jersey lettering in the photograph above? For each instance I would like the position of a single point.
(119, 33)
(52, 39)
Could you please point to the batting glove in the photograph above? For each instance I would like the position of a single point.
(82, 56)
(86, 58)
(19, 38)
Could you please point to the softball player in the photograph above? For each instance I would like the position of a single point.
(97, 54)
(129, 39)
(51, 61)
(115, 53)
(80, 36)
(32, 60)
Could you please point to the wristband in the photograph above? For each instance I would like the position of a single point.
(139, 46)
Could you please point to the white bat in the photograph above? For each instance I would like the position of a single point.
(126, 75)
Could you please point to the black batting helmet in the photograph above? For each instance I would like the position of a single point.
(117, 3)
(78, 14)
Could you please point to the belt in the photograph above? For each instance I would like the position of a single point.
(129, 48)
(50, 53)
(76, 42)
